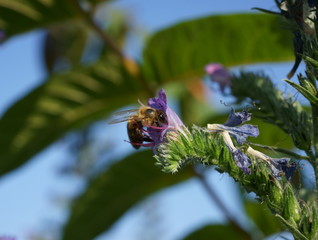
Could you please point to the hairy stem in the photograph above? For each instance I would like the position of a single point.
(201, 146)
(315, 139)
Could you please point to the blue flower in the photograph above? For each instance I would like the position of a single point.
(241, 160)
(279, 166)
(236, 119)
(240, 133)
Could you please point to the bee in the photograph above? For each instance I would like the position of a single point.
(137, 120)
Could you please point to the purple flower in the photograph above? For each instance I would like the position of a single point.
(278, 166)
(241, 160)
(281, 166)
(218, 74)
(157, 134)
(235, 119)
(240, 133)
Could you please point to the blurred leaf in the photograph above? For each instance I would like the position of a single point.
(215, 232)
(263, 218)
(113, 192)
(64, 45)
(194, 110)
(181, 52)
(94, 2)
(17, 16)
(63, 103)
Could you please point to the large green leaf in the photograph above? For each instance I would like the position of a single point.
(263, 218)
(62, 103)
(216, 232)
(113, 192)
(17, 16)
(182, 51)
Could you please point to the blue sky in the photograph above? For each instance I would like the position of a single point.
(28, 195)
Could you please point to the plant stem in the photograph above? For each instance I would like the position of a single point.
(107, 39)
(314, 110)
(110, 43)
(219, 203)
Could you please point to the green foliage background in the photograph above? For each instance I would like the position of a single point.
(79, 93)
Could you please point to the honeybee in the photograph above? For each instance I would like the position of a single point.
(137, 119)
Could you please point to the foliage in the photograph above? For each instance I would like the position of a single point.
(87, 82)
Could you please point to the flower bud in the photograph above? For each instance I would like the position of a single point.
(218, 74)
(292, 210)
(314, 222)
(308, 86)
(276, 193)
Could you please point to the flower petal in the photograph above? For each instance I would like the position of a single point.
(236, 119)
(281, 166)
(159, 103)
(242, 161)
(240, 133)
(158, 134)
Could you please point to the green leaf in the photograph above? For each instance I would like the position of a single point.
(305, 92)
(64, 102)
(17, 16)
(113, 192)
(215, 232)
(263, 218)
(182, 51)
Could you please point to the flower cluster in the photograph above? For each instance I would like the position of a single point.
(235, 127)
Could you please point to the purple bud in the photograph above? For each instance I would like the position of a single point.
(218, 74)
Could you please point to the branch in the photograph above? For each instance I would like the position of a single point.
(107, 39)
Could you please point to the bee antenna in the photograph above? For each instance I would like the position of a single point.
(252, 106)
(140, 103)
(224, 103)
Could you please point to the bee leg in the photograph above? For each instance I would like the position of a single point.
(147, 139)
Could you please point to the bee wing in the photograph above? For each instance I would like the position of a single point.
(122, 116)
